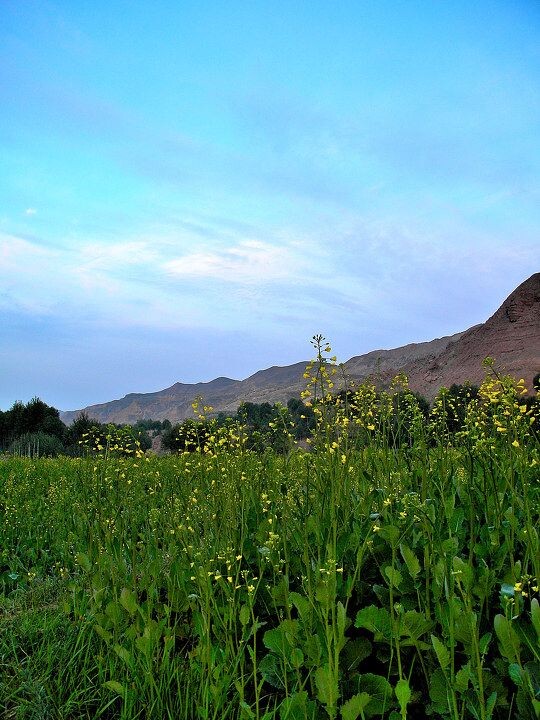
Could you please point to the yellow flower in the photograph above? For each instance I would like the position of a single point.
(515, 443)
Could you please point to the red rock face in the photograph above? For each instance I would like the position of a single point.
(511, 336)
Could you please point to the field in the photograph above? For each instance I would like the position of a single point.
(391, 571)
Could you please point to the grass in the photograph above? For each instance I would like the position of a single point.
(392, 572)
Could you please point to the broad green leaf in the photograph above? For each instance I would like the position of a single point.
(123, 654)
(245, 615)
(296, 657)
(271, 670)
(114, 611)
(323, 593)
(509, 641)
(144, 645)
(115, 686)
(312, 648)
(403, 693)
(354, 652)
(375, 619)
(128, 601)
(301, 603)
(341, 623)
(394, 576)
(380, 691)
(483, 643)
(84, 561)
(463, 572)
(390, 533)
(535, 616)
(105, 634)
(297, 707)
(352, 709)
(515, 674)
(443, 656)
(280, 640)
(415, 624)
(490, 704)
(438, 691)
(327, 687)
(411, 561)
(463, 677)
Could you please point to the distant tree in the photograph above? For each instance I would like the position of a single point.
(457, 401)
(77, 433)
(188, 436)
(303, 418)
(36, 444)
(33, 417)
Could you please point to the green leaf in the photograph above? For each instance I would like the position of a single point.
(443, 655)
(509, 641)
(341, 624)
(535, 616)
(297, 707)
(301, 603)
(271, 670)
(113, 611)
(296, 658)
(515, 674)
(144, 645)
(245, 615)
(411, 561)
(390, 533)
(281, 640)
(104, 634)
(490, 704)
(327, 687)
(438, 691)
(463, 572)
(375, 619)
(463, 677)
(354, 652)
(394, 576)
(352, 709)
(84, 561)
(128, 601)
(115, 686)
(483, 643)
(123, 654)
(380, 691)
(415, 624)
(323, 593)
(403, 693)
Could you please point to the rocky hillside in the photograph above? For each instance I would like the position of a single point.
(511, 336)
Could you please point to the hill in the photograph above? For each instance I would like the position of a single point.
(511, 336)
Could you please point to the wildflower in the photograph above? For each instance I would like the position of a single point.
(376, 528)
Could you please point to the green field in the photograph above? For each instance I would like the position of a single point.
(391, 571)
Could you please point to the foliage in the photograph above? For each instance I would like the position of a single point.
(392, 572)
(36, 444)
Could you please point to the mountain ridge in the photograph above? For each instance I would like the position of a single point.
(511, 335)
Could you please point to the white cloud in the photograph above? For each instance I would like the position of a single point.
(30, 211)
(247, 262)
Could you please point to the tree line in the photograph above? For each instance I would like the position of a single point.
(35, 428)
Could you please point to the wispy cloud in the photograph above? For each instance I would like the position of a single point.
(248, 262)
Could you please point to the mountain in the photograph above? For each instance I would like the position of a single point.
(511, 336)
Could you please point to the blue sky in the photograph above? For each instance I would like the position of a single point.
(192, 189)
